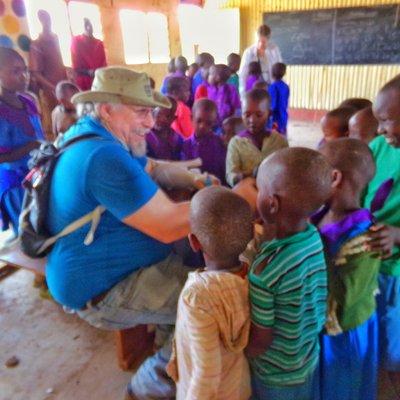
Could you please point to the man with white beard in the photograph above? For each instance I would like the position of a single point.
(128, 275)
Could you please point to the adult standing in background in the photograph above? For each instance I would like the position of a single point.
(87, 54)
(265, 52)
(47, 69)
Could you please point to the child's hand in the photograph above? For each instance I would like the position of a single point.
(382, 239)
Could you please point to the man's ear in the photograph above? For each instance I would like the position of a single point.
(337, 178)
(194, 242)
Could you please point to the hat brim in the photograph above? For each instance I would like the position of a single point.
(90, 96)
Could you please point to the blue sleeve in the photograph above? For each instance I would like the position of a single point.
(118, 181)
(272, 89)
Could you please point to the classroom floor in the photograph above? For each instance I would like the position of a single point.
(62, 357)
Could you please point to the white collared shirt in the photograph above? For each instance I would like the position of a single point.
(271, 56)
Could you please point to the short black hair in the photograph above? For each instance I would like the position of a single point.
(257, 95)
(264, 30)
(204, 60)
(278, 70)
(255, 68)
(358, 103)
(7, 54)
(171, 65)
(343, 114)
(205, 105)
(232, 58)
(63, 86)
(175, 83)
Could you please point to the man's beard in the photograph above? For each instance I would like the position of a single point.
(138, 149)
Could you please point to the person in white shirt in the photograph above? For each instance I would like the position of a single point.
(265, 52)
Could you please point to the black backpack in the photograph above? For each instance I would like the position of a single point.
(35, 240)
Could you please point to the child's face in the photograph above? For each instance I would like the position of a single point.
(386, 109)
(183, 94)
(361, 129)
(234, 64)
(331, 128)
(164, 117)
(66, 99)
(192, 71)
(203, 121)
(14, 75)
(255, 115)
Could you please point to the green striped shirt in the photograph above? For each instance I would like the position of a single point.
(289, 296)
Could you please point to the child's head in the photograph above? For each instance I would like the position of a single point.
(219, 74)
(353, 166)
(233, 62)
(335, 123)
(13, 72)
(255, 110)
(386, 109)
(164, 117)
(181, 64)
(358, 103)
(221, 225)
(363, 125)
(178, 88)
(278, 71)
(193, 68)
(292, 184)
(255, 68)
(231, 126)
(204, 60)
(204, 116)
(171, 66)
(64, 92)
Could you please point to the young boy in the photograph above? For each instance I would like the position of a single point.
(363, 125)
(288, 285)
(20, 130)
(254, 76)
(64, 115)
(386, 152)
(279, 93)
(349, 349)
(213, 322)
(178, 88)
(247, 149)
(204, 61)
(205, 143)
(224, 95)
(335, 124)
(163, 143)
(233, 62)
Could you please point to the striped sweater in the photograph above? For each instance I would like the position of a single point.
(289, 296)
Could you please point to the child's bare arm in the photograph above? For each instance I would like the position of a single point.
(259, 341)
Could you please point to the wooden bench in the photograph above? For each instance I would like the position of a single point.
(133, 345)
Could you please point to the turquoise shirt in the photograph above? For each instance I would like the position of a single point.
(387, 159)
(289, 296)
(91, 173)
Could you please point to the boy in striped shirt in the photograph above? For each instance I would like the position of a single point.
(213, 321)
(288, 284)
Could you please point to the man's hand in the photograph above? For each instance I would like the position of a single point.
(383, 238)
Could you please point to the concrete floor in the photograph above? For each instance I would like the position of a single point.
(62, 357)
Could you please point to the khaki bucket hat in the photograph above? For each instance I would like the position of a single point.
(122, 85)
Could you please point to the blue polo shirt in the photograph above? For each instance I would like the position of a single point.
(90, 173)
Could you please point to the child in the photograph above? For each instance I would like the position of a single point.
(250, 147)
(233, 62)
(358, 103)
(193, 68)
(212, 324)
(224, 95)
(363, 125)
(171, 71)
(288, 285)
(335, 124)
(349, 349)
(230, 128)
(204, 61)
(279, 93)
(386, 152)
(20, 132)
(64, 115)
(178, 88)
(254, 76)
(163, 142)
(205, 143)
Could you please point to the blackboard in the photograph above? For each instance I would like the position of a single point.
(362, 35)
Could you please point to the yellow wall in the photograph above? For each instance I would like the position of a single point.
(316, 87)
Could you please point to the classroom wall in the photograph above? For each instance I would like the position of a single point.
(316, 87)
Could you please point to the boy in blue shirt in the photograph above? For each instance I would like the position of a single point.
(279, 93)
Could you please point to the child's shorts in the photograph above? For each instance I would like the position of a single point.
(309, 390)
(389, 322)
(349, 363)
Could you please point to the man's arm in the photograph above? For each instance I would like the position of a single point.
(161, 218)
